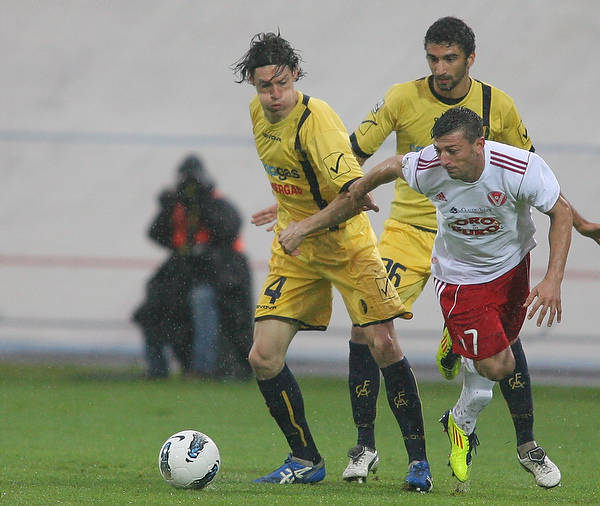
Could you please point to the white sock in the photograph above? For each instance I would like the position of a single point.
(476, 394)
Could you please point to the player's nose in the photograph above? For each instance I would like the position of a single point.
(275, 92)
(440, 68)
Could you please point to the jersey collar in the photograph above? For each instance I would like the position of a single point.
(446, 100)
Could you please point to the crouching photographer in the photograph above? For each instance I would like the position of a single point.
(199, 300)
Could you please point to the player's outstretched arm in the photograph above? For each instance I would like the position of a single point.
(585, 227)
(337, 211)
(265, 216)
(344, 206)
(385, 172)
(545, 296)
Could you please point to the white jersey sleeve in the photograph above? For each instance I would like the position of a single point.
(539, 187)
(414, 162)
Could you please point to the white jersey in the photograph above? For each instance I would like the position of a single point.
(484, 227)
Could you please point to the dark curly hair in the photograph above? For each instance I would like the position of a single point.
(459, 118)
(451, 30)
(267, 49)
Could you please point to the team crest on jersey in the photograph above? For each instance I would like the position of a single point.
(336, 164)
(440, 197)
(496, 198)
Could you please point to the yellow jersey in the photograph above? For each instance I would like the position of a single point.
(411, 109)
(307, 157)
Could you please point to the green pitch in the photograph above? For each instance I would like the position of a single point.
(73, 435)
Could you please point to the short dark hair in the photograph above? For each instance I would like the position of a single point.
(459, 118)
(267, 49)
(451, 30)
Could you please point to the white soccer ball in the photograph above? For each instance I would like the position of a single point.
(189, 459)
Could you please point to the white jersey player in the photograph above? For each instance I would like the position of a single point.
(483, 192)
(484, 226)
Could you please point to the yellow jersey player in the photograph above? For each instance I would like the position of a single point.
(304, 149)
(410, 110)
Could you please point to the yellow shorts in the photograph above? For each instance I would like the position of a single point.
(406, 253)
(299, 288)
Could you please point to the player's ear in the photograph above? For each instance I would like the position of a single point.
(295, 74)
(470, 60)
(479, 143)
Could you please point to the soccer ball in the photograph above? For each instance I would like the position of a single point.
(189, 459)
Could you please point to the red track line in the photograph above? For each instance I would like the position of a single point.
(85, 262)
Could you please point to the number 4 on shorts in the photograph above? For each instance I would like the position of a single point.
(274, 289)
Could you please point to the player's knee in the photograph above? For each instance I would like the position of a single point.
(498, 370)
(385, 348)
(358, 335)
(264, 365)
(257, 360)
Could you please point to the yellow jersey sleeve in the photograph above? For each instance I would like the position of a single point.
(380, 122)
(506, 125)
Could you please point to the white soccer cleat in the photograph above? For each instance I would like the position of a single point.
(545, 471)
(362, 461)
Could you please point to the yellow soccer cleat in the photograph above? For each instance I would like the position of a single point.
(461, 446)
(448, 362)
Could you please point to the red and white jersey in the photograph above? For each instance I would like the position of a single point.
(484, 227)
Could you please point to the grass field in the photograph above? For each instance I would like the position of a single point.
(76, 435)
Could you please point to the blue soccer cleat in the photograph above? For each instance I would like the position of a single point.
(295, 470)
(419, 477)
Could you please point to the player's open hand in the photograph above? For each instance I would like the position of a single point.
(265, 216)
(547, 299)
(290, 238)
